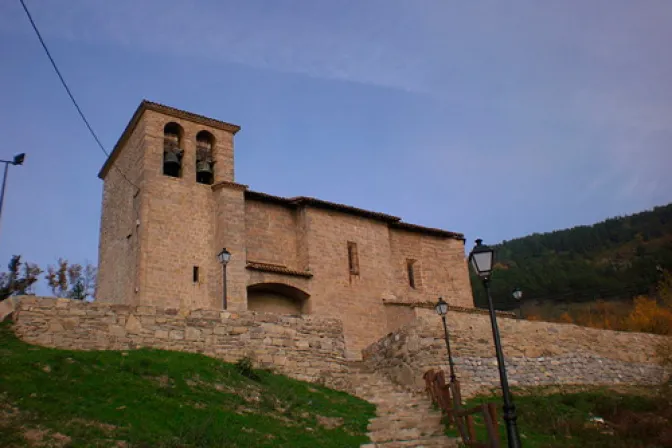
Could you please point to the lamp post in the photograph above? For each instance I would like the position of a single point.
(481, 259)
(224, 256)
(441, 309)
(18, 160)
(517, 294)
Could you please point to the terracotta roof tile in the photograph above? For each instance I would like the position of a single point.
(393, 221)
(427, 230)
(318, 203)
(278, 269)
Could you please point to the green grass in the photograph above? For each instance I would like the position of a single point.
(153, 398)
(548, 418)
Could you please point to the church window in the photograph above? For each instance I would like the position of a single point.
(353, 258)
(410, 269)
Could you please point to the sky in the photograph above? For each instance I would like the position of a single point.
(494, 119)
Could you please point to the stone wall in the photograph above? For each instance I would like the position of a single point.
(177, 229)
(306, 347)
(271, 234)
(536, 353)
(439, 264)
(118, 256)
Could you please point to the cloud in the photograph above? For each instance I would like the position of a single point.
(599, 70)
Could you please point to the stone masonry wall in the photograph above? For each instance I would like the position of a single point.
(306, 348)
(271, 232)
(118, 246)
(356, 300)
(178, 229)
(536, 353)
(440, 268)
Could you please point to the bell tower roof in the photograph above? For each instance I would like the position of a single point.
(166, 110)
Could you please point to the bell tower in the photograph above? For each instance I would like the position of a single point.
(166, 184)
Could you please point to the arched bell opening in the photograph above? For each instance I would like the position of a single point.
(172, 150)
(277, 298)
(205, 142)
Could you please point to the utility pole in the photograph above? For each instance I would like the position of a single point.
(18, 160)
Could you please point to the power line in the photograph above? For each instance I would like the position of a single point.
(67, 89)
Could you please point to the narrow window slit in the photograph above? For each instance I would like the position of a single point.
(353, 258)
(411, 273)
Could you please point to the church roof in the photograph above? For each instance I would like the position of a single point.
(392, 221)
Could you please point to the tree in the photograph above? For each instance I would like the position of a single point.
(18, 281)
(618, 258)
(72, 281)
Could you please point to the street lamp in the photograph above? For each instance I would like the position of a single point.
(481, 259)
(441, 309)
(224, 256)
(517, 294)
(18, 160)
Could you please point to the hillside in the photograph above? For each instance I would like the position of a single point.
(614, 259)
(153, 398)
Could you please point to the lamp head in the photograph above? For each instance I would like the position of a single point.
(224, 256)
(481, 259)
(441, 307)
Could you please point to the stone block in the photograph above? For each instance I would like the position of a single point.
(63, 303)
(161, 334)
(133, 325)
(147, 320)
(55, 327)
(70, 323)
(192, 334)
(117, 330)
(177, 334)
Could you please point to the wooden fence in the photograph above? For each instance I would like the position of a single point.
(449, 399)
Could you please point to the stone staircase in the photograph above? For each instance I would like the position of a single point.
(403, 419)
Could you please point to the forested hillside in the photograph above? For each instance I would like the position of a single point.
(617, 258)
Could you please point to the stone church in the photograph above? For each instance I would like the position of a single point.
(171, 204)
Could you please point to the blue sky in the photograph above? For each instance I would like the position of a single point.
(495, 119)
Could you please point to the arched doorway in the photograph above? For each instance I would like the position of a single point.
(276, 298)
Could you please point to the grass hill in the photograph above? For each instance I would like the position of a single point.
(153, 398)
(617, 258)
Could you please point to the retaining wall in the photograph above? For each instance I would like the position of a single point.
(303, 347)
(536, 353)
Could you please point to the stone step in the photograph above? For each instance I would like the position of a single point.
(404, 419)
(392, 434)
(401, 422)
(428, 442)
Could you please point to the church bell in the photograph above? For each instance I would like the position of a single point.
(204, 172)
(171, 163)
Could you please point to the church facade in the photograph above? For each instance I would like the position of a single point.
(171, 204)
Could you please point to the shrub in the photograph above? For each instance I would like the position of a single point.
(245, 367)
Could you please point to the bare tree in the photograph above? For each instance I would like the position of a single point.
(73, 281)
(19, 279)
(57, 278)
